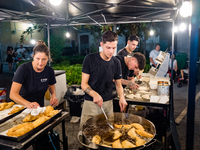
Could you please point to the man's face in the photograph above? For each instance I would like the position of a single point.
(132, 45)
(21, 46)
(108, 48)
(157, 48)
(133, 65)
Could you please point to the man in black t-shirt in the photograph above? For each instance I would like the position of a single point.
(98, 72)
(136, 61)
(132, 43)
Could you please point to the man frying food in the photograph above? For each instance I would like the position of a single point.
(98, 72)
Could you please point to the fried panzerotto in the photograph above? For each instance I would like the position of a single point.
(137, 126)
(48, 110)
(16, 109)
(39, 121)
(117, 144)
(127, 144)
(132, 133)
(96, 139)
(144, 133)
(117, 135)
(10, 104)
(20, 129)
(126, 126)
(2, 106)
(52, 113)
(139, 141)
(30, 118)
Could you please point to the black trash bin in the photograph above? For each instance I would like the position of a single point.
(75, 101)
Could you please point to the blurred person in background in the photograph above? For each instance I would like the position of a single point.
(9, 59)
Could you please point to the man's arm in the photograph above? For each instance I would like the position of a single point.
(130, 83)
(120, 92)
(97, 99)
(151, 60)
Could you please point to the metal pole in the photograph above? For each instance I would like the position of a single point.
(172, 58)
(192, 74)
(48, 37)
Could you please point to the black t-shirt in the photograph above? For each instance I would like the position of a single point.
(125, 71)
(34, 84)
(123, 52)
(101, 74)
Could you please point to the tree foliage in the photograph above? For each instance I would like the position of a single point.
(30, 31)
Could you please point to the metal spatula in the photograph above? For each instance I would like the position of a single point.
(107, 118)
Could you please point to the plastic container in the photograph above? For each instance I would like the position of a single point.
(163, 88)
(153, 85)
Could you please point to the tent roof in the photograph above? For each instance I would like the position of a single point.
(94, 12)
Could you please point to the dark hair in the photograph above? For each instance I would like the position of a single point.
(109, 36)
(8, 48)
(140, 58)
(134, 37)
(157, 44)
(42, 49)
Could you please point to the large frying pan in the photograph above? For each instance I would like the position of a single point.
(98, 125)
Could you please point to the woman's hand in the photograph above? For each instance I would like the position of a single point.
(54, 101)
(30, 105)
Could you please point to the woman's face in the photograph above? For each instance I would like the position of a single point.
(40, 60)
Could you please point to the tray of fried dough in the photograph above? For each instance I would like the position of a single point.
(23, 126)
(9, 110)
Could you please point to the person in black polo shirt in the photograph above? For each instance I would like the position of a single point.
(32, 79)
(135, 62)
(132, 43)
(98, 72)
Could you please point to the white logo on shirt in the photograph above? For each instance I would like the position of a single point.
(44, 80)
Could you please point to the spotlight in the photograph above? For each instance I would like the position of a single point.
(151, 32)
(117, 28)
(55, 2)
(33, 42)
(186, 9)
(67, 35)
(182, 27)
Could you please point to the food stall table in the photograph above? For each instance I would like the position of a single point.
(25, 143)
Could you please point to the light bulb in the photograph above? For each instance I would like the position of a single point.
(55, 2)
(67, 34)
(182, 27)
(151, 32)
(33, 42)
(186, 9)
(175, 29)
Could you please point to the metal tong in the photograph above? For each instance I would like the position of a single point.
(107, 118)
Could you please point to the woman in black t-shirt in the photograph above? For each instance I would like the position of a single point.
(32, 79)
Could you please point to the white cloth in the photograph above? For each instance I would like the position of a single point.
(153, 54)
(20, 50)
(174, 62)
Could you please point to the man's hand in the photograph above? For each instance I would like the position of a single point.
(132, 85)
(122, 104)
(97, 99)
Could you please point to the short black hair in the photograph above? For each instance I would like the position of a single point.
(109, 36)
(140, 58)
(134, 37)
(157, 44)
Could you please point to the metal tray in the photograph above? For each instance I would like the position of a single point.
(32, 132)
(10, 116)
